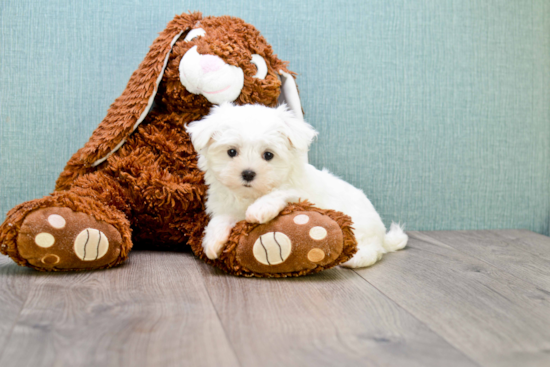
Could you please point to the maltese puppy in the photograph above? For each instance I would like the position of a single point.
(255, 163)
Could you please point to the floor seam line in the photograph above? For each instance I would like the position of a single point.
(420, 321)
(8, 337)
(219, 318)
(512, 241)
(485, 262)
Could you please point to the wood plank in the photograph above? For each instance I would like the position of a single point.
(528, 241)
(15, 284)
(332, 318)
(527, 259)
(490, 315)
(153, 311)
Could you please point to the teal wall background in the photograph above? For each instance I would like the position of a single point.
(438, 110)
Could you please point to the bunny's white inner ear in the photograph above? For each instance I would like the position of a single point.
(289, 94)
(149, 102)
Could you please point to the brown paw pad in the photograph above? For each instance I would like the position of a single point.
(58, 238)
(291, 243)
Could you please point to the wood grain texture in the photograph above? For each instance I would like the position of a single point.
(528, 241)
(154, 311)
(450, 299)
(492, 316)
(15, 285)
(523, 254)
(332, 318)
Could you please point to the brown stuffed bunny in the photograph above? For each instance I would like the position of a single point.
(137, 181)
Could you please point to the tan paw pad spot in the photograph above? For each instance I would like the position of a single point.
(91, 244)
(301, 219)
(318, 233)
(272, 248)
(44, 240)
(315, 255)
(50, 259)
(57, 221)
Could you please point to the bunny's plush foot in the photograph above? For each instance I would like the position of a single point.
(59, 238)
(65, 232)
(301, 240)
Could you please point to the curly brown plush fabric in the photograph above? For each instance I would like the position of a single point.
(144, 177)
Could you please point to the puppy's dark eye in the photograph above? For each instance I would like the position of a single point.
(268, 156)
(232, 153)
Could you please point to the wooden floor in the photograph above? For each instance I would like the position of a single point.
(475, 298)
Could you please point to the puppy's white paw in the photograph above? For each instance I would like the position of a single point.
(365, 256)
(262, 211)
(214, 240)
(213, 249)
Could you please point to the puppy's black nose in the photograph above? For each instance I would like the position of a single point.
(248, 175)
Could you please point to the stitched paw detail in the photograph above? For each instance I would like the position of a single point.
(44, 240)
(291, 243)
(91, 244)
(57, 221)
(58, 238)
(272, 248)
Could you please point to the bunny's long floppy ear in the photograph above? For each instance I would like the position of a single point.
(289, 94)
(131, 108)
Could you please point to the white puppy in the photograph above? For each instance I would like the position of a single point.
(255, 162)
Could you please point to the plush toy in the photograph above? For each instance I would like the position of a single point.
(136, 181)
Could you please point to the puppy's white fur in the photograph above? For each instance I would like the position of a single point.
(251, 131)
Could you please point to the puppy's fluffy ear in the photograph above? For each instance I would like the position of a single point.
(202, 131)
(299, 132)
